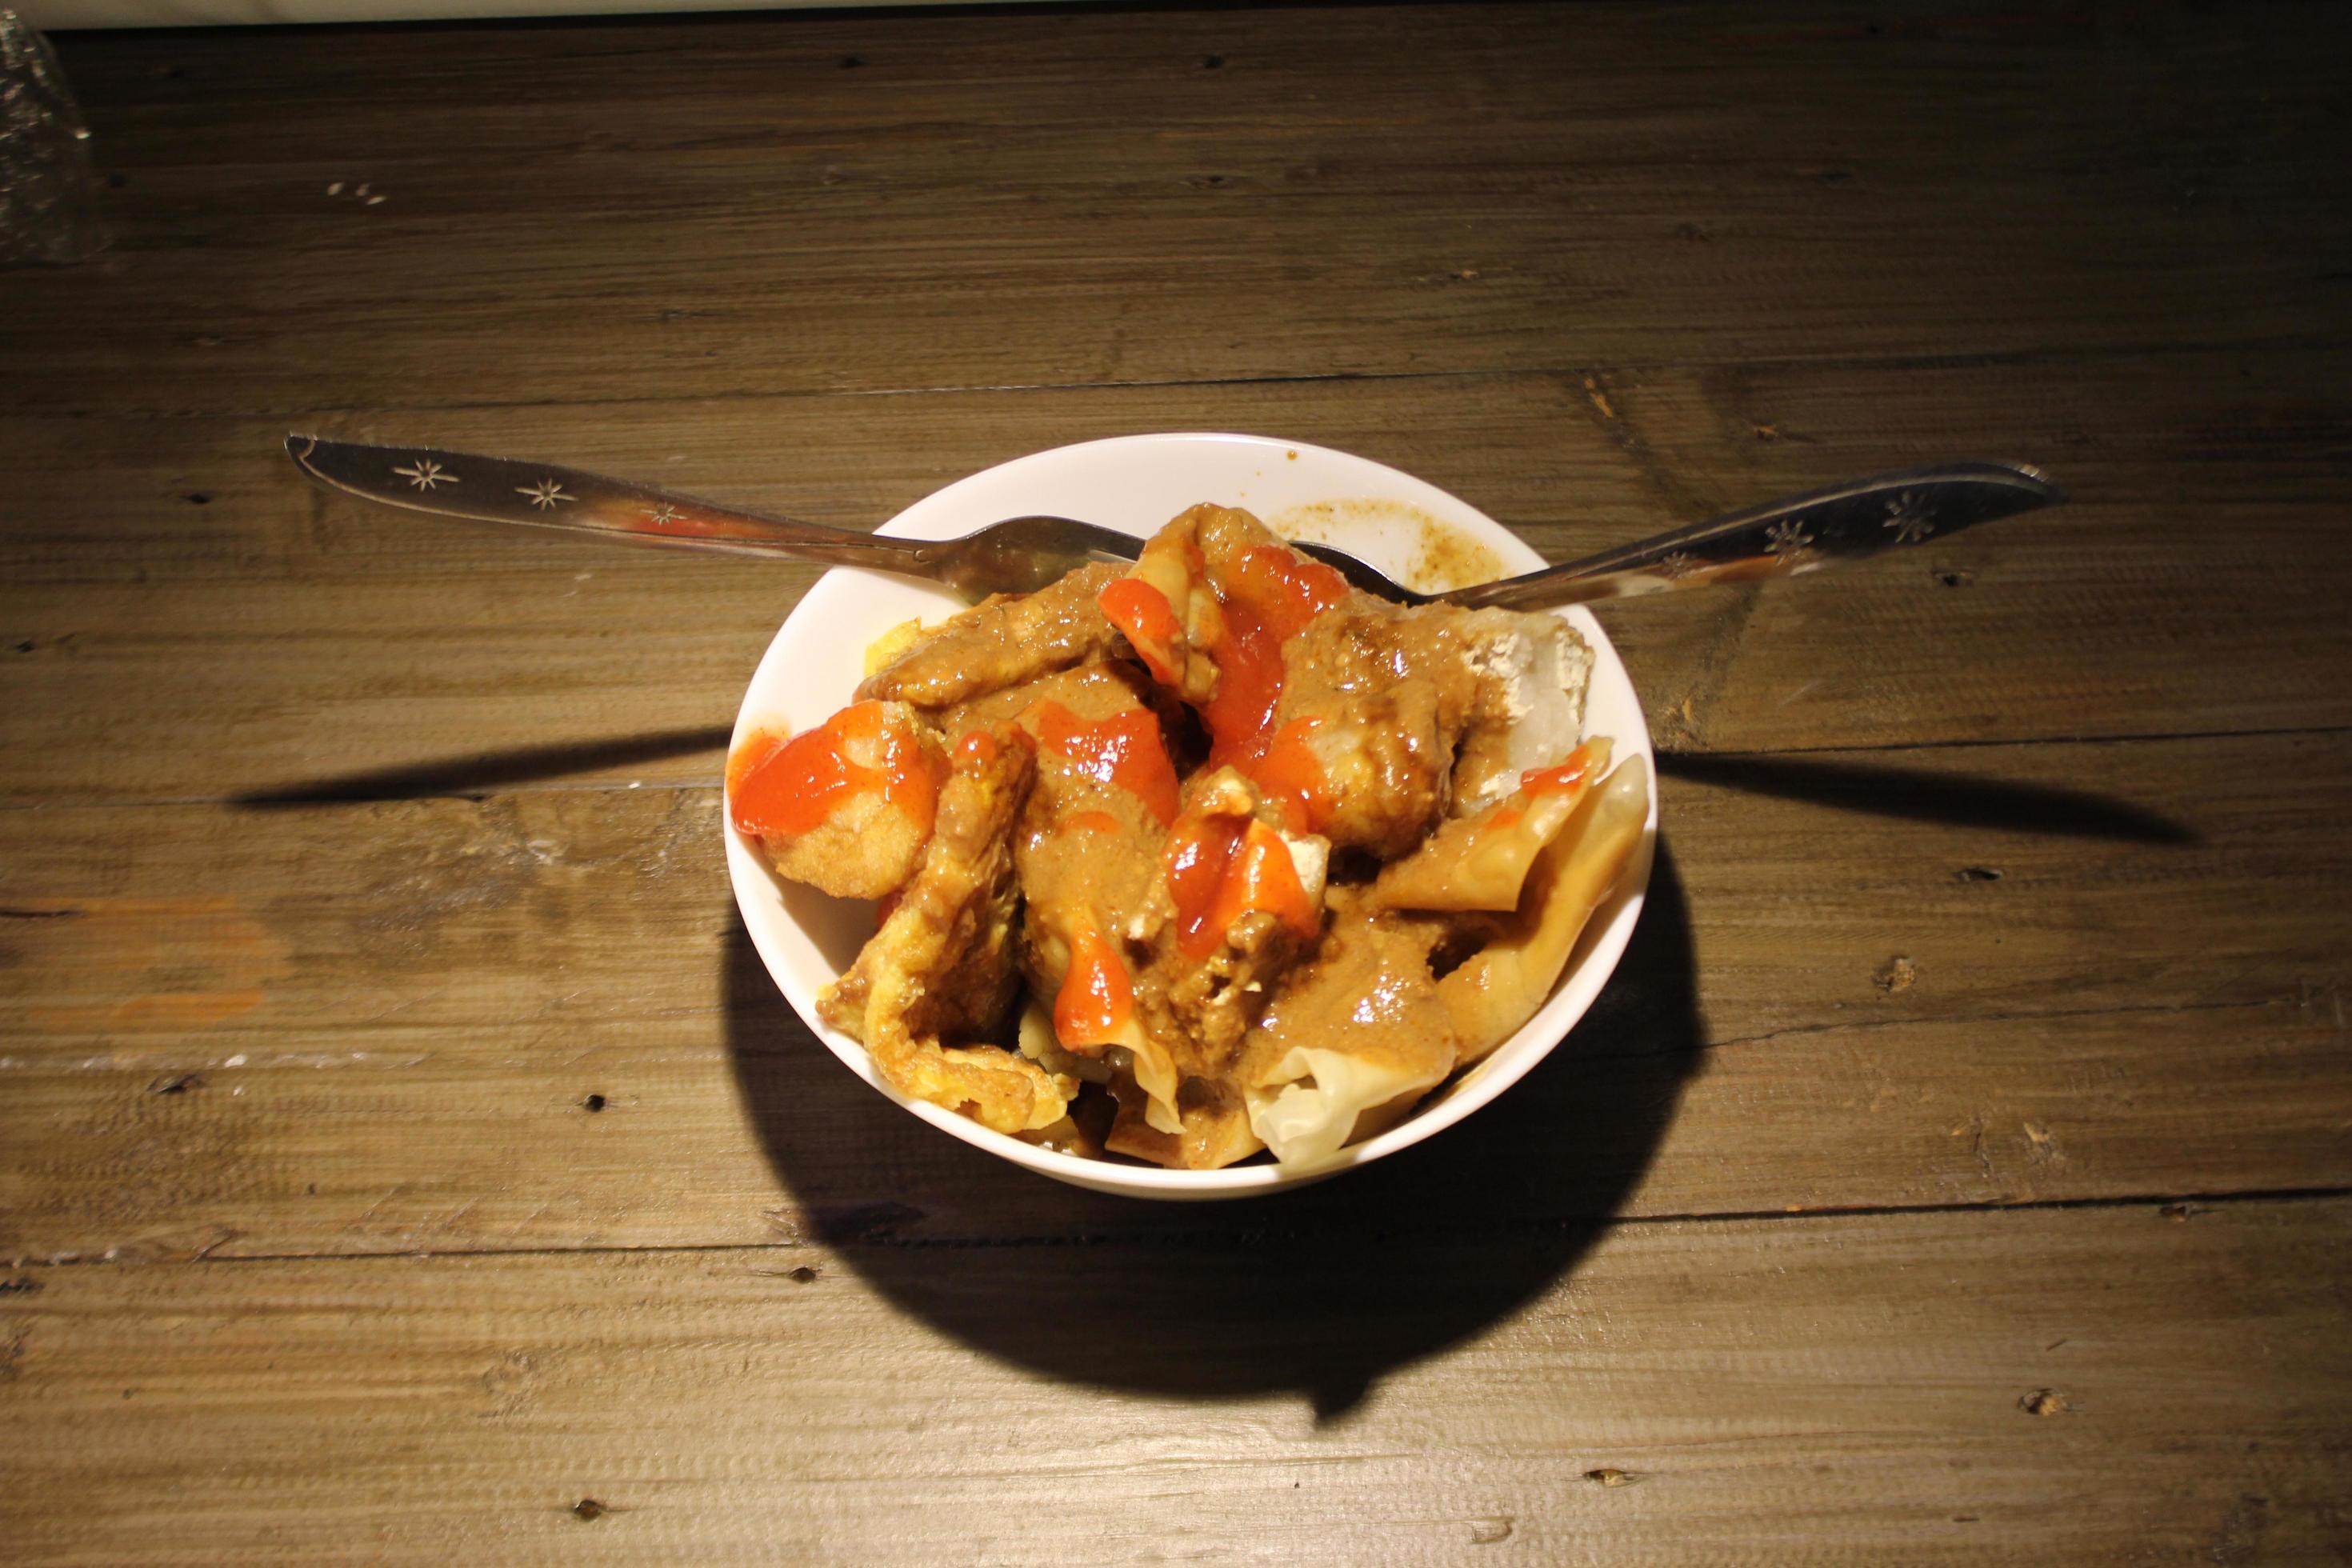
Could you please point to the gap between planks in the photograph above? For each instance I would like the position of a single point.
(2188, 1202)
(2058, 354)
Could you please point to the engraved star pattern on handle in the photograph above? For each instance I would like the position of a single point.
(1796, 534)
(1908, 518)
(1789, 539)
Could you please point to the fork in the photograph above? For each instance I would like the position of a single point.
(1023, 554)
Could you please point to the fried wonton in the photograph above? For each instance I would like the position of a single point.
(1354, 1037)
(1004, 640)
(941, 966)
(1498, 988)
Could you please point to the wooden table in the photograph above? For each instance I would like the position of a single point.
(404, 1158)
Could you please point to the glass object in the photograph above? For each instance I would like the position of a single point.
(48, 204)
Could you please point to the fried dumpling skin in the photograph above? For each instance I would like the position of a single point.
(1004, 640)
(1353, 1040)
(1498, 988)
(941, 967)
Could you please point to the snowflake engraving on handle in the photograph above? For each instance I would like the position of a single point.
(1908, 518)
(1788, 540)
(544, 494)
(1677, 565)
(426, 474)
(663, 515)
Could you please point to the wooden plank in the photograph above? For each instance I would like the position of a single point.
(263, 634)
(2077, 1385)
(2129, 611)
(1577, 186)
(329, 929)
(1990, 975)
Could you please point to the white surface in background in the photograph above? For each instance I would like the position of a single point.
(50, 16)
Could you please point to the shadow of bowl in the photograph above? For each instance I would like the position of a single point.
(1322, 1289)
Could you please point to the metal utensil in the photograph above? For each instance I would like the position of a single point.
(1019, 555)
(1022, 554)
(1780, 539)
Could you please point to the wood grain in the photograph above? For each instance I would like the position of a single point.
(1932, 978)
(402, 1156)
(179, 579)
(1539, 188)
(2072, 1385)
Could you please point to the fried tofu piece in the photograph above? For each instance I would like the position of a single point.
(1406, 715)
(1240, 901)
(1330, 699)
(1526, 703)
(848, 806)
(1088, 857)
(1377, 760)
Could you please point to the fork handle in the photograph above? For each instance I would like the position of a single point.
(546, 495)
(1783, 537)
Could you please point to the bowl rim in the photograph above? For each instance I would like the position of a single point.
(938, 515)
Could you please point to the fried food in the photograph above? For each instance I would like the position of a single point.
(845, 807)
(1004, 640)
(1272, 858)
(942, 965)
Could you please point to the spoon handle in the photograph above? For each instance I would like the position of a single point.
(1783, 537)
(544, 495)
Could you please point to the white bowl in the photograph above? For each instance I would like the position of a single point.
(1414, 532)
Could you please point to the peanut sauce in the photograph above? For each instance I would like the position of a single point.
(1124, 750)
